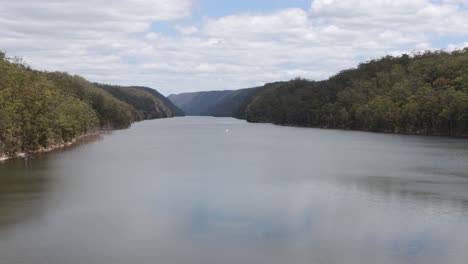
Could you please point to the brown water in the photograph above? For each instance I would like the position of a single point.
(219, 190)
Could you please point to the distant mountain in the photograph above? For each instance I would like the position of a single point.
(226, 103)
(198, 103)
(232, 104)
(149, 103)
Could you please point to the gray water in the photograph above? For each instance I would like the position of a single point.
(220, 190)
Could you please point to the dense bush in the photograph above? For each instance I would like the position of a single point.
(148, 102)
(425, 93)
(38, 109)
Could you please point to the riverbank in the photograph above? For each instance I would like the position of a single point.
(56, 147)
(404, 133)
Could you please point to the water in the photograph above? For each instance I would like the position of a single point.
(219, 190)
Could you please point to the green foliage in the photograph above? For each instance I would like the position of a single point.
(35, 113)
(227, 103)
(149, 104)
(112, 113)
(199, 103)
(425, 93)
(39, 109)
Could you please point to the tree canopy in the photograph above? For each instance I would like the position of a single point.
(148, 102)
(426, 93)
(423, 93)
(38, 109)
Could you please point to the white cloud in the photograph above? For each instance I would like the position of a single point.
(415, 16)
(459, 46)
(187, 29)
(288, 22)
(115, 42)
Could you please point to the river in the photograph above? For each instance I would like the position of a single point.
(219, 190)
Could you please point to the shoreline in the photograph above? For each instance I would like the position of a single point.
(54, 147)
(460, 136)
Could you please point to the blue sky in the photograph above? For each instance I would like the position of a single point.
(189, 45)
(203, 9)
(216, 8)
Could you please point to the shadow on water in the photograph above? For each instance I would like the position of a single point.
(26, 183)
(23, 187)
(449, 191)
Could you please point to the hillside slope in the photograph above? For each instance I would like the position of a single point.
(227, 103)
(425, 93)
(40, 110)
(149, 103)
(197, 103)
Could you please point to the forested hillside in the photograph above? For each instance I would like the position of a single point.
(216, 103)
(232, 103)
(148, 102)
(425, 94)
(39, 109)
(197, 103)
(176, 110)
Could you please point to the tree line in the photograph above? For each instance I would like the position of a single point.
(424, 93)
(148, 103)
(39, 109)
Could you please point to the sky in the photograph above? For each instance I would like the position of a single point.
(179, 46)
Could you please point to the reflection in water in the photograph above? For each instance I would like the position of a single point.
(23, 184)
(185, 191)
(26, 183)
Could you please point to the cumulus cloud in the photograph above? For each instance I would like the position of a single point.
(117, 42)
(186, 29)
(415, 16)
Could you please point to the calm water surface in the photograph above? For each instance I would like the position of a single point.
(216, 190)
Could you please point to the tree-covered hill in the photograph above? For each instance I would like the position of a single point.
(232, 103)
(226, 103)
(425, 93)
(197, 103)
(39, 109)
(176, 110)
(149, 103)
(112, 112)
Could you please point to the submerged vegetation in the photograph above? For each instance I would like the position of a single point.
(39, 109)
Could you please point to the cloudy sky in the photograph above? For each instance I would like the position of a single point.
(190, 45)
